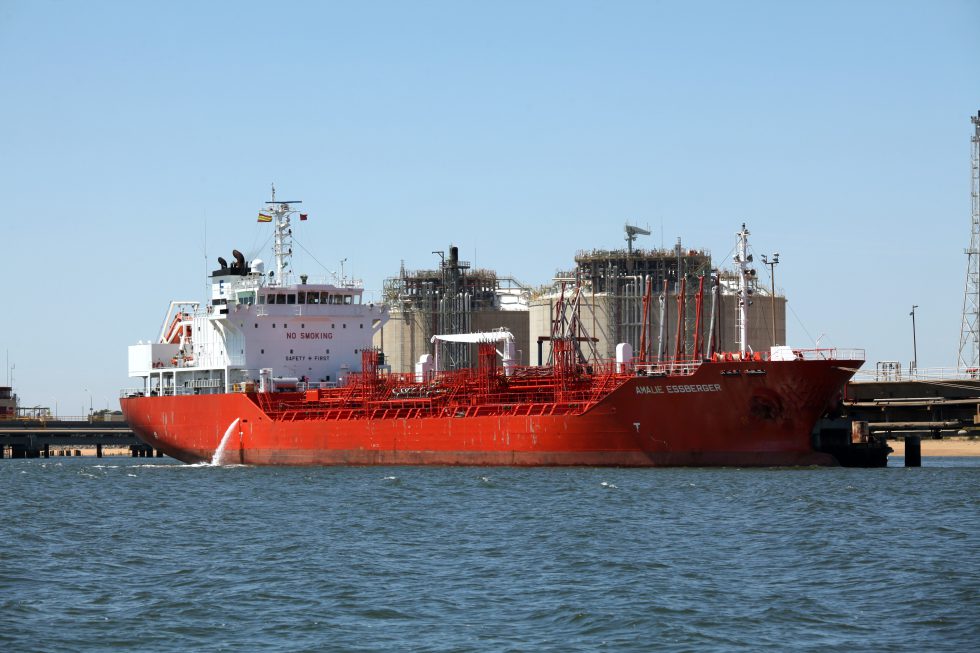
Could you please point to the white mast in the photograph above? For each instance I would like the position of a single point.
(743, 258)
(283, 248)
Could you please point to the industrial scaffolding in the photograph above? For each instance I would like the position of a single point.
(650, 299)
(443, 301)
(622, 276)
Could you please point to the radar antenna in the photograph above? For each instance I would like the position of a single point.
(631, 234)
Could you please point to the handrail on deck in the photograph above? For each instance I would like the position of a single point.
(926, 374)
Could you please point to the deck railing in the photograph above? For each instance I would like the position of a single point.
(830, 354)
(918, 374)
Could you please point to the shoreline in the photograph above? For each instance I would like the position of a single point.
(88, 450)
(947, 447)
(951, 447)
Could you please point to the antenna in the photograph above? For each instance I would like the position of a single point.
(283, 248)
(631, 234)
(969, 356)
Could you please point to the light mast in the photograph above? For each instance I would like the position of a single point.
(743, 258)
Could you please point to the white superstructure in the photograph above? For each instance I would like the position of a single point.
(259, 328)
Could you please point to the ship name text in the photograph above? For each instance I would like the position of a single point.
(674, 389)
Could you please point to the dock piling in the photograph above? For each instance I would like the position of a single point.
(913, 451)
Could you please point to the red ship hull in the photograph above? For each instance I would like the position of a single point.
(749, 413)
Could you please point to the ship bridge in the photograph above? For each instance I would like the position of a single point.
(258, 328)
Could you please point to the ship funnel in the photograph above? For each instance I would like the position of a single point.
(223, 263)
(239, 259)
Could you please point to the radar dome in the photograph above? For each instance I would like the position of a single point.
(258, 266)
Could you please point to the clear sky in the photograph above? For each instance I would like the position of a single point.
(135, 137)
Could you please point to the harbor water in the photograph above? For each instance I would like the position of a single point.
(146, 554)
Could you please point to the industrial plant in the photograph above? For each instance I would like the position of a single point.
(631, 295)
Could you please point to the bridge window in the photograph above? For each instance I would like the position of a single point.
(291, 298)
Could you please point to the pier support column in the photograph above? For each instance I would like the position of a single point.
(159, 454)
(47, 450)
(98, 451)
(24, 451)
(134, 451)
(913, 451)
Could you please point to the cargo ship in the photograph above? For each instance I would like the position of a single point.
(274, 371)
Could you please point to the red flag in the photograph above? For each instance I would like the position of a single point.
(302, 216)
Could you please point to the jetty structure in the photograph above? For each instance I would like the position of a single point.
(33, 432)
(908, 401)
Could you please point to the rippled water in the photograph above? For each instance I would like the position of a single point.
(152, 555)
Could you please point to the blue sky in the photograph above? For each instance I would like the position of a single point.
(131, 134)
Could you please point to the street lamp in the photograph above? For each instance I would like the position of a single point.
(89, 401)
(915, 353)
(772, 296)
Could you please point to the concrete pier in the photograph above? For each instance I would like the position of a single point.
(34, 438)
